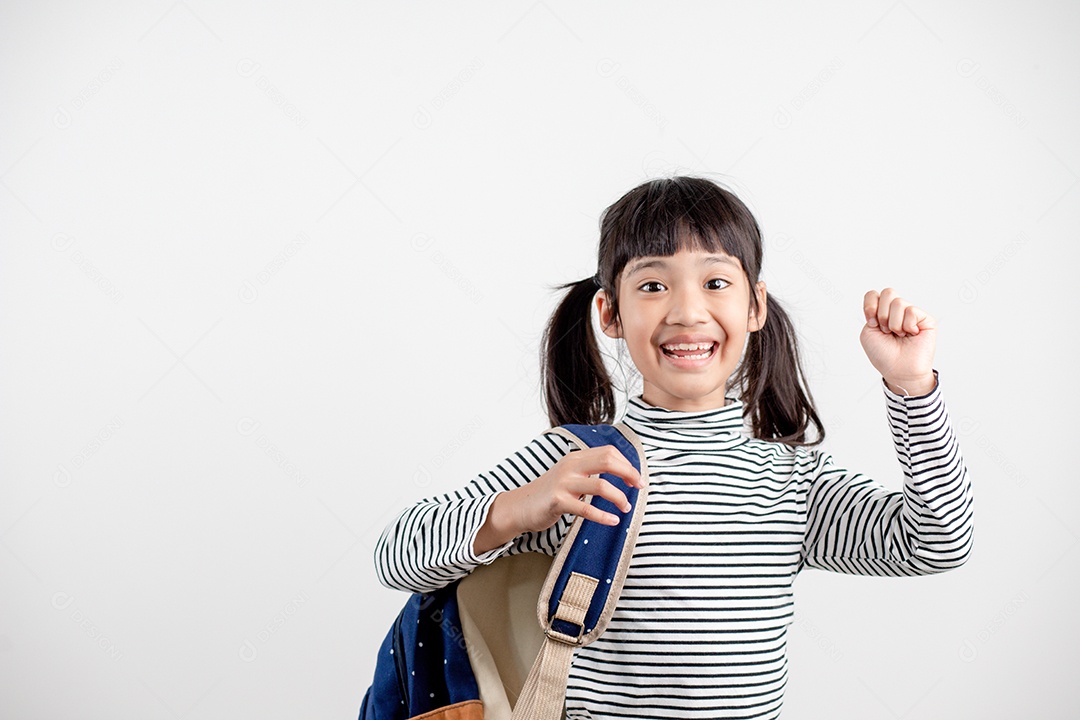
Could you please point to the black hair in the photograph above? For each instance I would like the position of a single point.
(659, 218)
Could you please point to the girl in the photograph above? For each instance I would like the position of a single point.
(700, 627)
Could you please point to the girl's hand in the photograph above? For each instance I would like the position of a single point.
(561, 490)
(899, 340)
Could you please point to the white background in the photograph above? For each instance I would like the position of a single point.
(272, 272)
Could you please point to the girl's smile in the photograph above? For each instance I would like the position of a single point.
(689, 351)
(685, 319)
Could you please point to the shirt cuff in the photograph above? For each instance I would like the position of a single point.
(484, 558)
(924, 399)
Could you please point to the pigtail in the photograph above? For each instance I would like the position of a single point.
(775, 394)
(577, 387)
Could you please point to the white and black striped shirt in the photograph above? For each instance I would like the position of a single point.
(700, 628)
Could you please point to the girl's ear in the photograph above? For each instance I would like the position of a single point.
(603, 306)
(757, 317)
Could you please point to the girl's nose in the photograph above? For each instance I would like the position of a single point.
(688, 307)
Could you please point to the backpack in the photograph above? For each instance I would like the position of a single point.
(473, 651)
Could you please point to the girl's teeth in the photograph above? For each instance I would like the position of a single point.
(689, 346)
(706, 349)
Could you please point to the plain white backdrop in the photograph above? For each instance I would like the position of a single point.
(271, 272)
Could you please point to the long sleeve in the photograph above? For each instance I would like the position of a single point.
(855, 525)
(430, 544)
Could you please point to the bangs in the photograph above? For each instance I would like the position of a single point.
(662, 217)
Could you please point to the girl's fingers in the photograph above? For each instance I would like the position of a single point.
(893, 314)
(600, 487)
(897, 307)
(885, 301)
(608, 459)
(591, 512)
(869, 307)
(579, 504)
(585, 480)
(912, 317)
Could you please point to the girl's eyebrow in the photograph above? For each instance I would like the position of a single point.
(662, 264)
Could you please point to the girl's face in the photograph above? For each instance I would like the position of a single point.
(685, 319)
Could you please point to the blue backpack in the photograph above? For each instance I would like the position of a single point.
(459, 653)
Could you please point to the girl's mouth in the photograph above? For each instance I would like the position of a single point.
(689, 354)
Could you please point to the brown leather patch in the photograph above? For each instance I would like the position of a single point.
(468, 710)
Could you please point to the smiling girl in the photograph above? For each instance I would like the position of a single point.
(740, 501)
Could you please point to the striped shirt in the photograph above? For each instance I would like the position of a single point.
(700, 628)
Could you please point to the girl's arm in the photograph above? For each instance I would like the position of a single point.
(430, 544)
(525, 504)
(854, 525)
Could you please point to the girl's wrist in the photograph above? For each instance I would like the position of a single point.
(912, 387)
(496, 530)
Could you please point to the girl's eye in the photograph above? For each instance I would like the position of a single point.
(656, 286)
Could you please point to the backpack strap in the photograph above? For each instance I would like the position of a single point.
(586, 577)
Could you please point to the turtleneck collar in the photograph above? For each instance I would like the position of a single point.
(683, 429)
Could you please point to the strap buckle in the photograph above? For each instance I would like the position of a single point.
(564, 638)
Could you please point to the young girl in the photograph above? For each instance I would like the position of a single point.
(700, 627)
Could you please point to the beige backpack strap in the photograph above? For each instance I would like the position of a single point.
(544, 693)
